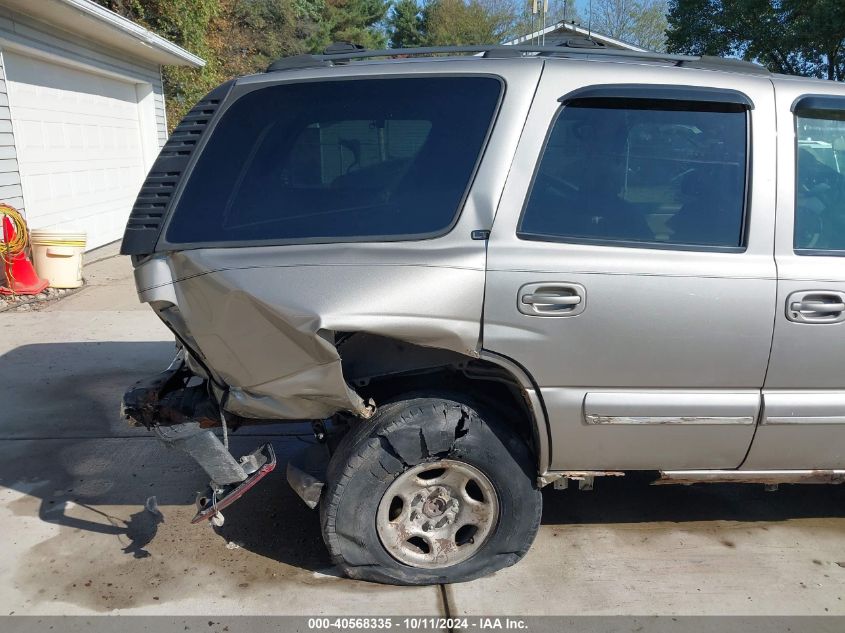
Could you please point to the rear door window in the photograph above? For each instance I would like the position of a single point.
(638, 172)
(339, 161)
(820, 177)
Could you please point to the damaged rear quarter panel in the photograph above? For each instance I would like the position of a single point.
(264, 318)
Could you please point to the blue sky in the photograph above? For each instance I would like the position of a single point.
(583, 7)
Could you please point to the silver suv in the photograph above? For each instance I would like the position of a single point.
(479, 271)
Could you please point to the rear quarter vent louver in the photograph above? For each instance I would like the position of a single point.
(153, 202)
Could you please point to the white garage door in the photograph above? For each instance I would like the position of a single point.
(79, 147)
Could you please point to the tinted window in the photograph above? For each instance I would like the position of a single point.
(820, 186)
(336, 160)
(613, 171)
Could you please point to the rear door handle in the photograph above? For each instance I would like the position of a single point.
(816, 306)
(552, 299)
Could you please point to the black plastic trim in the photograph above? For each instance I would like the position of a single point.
(830, 107)
(815, 252)
(561, 50)
(662, 246)
(296, 62)
(656, 92)
(155, 199)
(727, 64)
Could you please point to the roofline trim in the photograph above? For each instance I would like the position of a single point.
(123, 26)
(135, 30)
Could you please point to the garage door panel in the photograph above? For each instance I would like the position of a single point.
(58, 192)
(54, 138)
(55, 165)
(78, 136)
(64, 83)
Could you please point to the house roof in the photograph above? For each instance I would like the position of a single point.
(97, 24)
(569, 28)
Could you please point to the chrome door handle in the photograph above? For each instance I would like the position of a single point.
(551, 300)
(816, 306)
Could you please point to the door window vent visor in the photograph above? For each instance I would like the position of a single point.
(831, 107)
(686, 97)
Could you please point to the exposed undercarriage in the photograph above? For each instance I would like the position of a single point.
(185, 412)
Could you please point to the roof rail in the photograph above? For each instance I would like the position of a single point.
(341, 52)
(725, 63)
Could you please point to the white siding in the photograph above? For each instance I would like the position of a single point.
(10, 193)
(161, 113)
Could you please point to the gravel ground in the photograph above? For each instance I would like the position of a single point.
(28, 303)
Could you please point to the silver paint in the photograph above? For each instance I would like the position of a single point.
(656, 321)
(684, 336)
(806, 375)
(263, 319)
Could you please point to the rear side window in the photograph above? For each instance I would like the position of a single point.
(820, 178)
(340, 160)
(637, 171)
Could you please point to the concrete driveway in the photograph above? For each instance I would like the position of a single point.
(77, 486)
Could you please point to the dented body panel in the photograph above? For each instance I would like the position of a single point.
(264, 319)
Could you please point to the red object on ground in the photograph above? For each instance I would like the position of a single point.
(20, 273)
(213, 506)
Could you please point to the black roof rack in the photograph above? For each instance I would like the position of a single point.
(341, 52)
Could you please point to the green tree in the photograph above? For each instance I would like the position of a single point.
(819, 29)
(638, 22)
(356, 21)
(650, 29)
(800, 37)
(187, 23)
(456, 22)
(405, 24)
(257, 32)
(235, 37)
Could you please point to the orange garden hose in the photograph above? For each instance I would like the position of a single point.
(16, 244)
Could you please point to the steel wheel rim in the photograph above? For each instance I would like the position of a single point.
(437, 514)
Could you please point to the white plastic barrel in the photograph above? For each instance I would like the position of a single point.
(57, 256)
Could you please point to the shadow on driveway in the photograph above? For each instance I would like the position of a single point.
(63, 444)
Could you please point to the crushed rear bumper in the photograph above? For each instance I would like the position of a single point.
(183, 415)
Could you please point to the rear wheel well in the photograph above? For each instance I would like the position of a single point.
(481, 382)
(385, 369)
